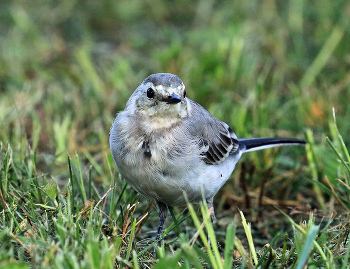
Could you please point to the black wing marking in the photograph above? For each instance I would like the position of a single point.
(220, 148)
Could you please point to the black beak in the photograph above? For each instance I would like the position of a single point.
(172, 99)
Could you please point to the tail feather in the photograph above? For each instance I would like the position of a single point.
(253, 144)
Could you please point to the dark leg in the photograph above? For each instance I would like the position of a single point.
(163, 211)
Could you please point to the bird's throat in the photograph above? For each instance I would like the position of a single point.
(156, 123)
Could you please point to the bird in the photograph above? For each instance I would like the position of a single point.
(165, 144)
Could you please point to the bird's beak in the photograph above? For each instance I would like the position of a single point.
(172, 99)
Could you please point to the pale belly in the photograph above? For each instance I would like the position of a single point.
(169, 187)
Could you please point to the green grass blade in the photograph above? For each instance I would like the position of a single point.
(284, 248)
(71, 181)
(202, 254)
(211, 233)
(14, 219)
(346, 257)
(97, 167)
(90, 182)
(114, 205)
(169, 261)
(202, 235)
(311, 156)
(308, 246)
(229, 244)
(300, 229)
(191, 255)
(174, 219)
(248, 233)
(82, 186)
(347, 166)
(131, 239)
(134, 260)
(323, 56)
(269, 250)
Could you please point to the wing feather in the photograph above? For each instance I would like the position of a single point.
(217, 141)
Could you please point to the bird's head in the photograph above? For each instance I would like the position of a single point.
(160, 95)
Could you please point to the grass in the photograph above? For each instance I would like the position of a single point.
(268, 68)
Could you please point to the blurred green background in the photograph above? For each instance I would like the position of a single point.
(267, 68)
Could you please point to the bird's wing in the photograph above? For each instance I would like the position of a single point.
(216, 139)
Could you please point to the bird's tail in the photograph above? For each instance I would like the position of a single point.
(253, 144)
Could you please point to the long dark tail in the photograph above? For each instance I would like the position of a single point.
(253, 144)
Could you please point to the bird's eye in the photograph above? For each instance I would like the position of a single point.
(184, 94)
(150, 93)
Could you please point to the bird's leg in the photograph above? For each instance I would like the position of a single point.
(212, 214)
(163, 211)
